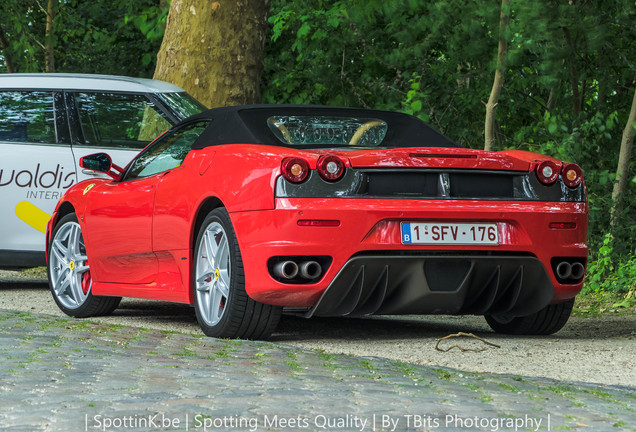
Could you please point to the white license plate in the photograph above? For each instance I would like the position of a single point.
(449, 233)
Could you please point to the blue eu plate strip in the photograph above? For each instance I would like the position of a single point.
(406, 232)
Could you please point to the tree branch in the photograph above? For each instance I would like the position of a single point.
(41, 7)
(4, 44)
(497, 85)
(622, 170)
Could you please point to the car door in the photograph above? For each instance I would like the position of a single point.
(173, 205)
(119, 214)
(120, 124)
(36, 167)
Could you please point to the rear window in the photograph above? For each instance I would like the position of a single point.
(328, 130)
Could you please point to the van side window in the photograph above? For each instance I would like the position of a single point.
(119, 120)
(27, 117)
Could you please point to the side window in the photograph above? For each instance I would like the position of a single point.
(27, 117)
(167, 152)
(119, 120)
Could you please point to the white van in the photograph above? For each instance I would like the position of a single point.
(48, 122)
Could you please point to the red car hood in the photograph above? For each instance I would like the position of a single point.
(432, 157)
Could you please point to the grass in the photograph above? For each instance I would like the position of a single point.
(187, 353)
(293, 360)
(511, 388)
(444, 374)
(35, 272)
(594, 304)
(222, 353)
(406, 369)
(486, 398)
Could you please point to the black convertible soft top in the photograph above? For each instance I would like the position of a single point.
(248, 124)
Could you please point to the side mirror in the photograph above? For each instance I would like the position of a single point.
(99, 162)
(102, 163)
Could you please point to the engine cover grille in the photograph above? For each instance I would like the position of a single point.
(432, 184)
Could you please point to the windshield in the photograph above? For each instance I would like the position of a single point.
(328, 130)
(183, 104)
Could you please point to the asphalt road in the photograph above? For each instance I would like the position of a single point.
(589, 349)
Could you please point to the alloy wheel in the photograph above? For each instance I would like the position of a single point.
(69, 269)
(212, 277)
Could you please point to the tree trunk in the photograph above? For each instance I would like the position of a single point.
(577, 104)
(622, 170)
(551, 100)
(497, 85)
(4, 46)
(214, 50)
(603, 80)
(49, 48)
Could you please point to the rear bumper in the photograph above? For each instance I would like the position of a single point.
(372, 227)
(437, 284)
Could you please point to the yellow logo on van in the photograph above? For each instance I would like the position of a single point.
(32, 215)
(87, 188)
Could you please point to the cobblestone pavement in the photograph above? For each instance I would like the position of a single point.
(591, 349)
(62, 374)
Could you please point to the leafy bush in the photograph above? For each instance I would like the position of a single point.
(606, 273)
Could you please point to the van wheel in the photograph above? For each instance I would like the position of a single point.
(223, 308)
(70, 275)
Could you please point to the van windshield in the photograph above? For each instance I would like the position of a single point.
(182, 104)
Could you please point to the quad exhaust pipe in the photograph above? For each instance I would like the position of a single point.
(564, 270)
(310, 269)
(286, 269)
(578, 270)
(570, 271)
(290, 269)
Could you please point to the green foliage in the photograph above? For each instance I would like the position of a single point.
(606, 273)
(111, 37)
(388, 55)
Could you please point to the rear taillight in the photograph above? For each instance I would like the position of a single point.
(547, 172)
(295, 170)
(572, 175)
(330, 168)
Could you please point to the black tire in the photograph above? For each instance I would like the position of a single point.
(547, 321)
(236, 315)
(75, 299)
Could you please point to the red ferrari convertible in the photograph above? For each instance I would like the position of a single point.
(249, 212)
